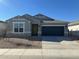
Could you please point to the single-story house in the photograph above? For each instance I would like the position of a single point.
(38, 25)
(74, 28)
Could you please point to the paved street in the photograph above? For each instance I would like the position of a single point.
(50, 52)
(39, 53)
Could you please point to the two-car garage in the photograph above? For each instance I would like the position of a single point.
(52, 30)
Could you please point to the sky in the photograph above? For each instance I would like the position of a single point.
(67, 10)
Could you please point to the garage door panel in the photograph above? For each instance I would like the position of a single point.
(52, 30)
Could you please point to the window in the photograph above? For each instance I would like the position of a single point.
(18, 26)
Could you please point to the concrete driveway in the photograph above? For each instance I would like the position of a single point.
(60, 45)
(51, 45)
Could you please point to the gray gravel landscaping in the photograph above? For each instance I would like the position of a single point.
(19, 43)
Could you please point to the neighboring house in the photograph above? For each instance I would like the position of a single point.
(74, 28)
(2, 28)
(38, 25)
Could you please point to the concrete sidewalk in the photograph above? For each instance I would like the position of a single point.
(39, 53)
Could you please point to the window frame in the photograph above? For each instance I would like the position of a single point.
(18, 27)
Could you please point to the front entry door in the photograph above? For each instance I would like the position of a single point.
(34, 29)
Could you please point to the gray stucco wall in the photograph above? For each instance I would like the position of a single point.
(27, 28)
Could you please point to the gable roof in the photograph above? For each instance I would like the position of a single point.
(73, 23)
(13, 17)
(60, 21)
(2, 22)
(24, 17)
(43, 17)
(27, 15)
(38, 17)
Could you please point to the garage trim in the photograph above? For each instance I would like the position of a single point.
(53, 25)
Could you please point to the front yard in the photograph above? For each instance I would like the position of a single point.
(37, 44)
(19, 43)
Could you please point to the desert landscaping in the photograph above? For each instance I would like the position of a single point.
(36, 44)
(19, 43)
